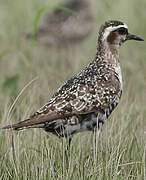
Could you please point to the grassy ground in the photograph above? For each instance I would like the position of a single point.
(33, 154)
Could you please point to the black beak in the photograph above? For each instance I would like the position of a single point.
(134, 37)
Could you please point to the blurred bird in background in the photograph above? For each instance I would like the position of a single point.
(70, 24)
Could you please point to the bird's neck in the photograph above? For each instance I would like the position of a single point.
(108, 52)
(108, 57)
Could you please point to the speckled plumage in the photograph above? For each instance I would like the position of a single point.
(86, 100)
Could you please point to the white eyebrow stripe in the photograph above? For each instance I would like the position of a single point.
(110, 29)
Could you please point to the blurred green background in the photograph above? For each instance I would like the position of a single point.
(33, 155)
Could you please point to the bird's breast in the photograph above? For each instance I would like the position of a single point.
(118, 72)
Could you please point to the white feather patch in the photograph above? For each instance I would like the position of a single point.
(112, 28)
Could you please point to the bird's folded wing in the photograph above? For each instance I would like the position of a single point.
(42, 117)
(58, 108)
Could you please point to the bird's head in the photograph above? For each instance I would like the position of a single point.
(115, 33)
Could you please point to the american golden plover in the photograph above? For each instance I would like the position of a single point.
(85, 101)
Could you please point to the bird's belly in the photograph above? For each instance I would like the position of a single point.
(89, 123)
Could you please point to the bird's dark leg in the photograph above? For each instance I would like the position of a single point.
(67, 151)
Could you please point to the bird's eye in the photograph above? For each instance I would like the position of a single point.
(122, 30)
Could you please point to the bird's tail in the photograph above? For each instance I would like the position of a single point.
(22, 125)
(28, 123)
(36, 121)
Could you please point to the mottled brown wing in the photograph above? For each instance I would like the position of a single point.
(58, 108)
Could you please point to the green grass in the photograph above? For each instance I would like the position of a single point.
(34, 154)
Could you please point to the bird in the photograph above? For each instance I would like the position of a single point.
(86, 100)
(69, 23)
